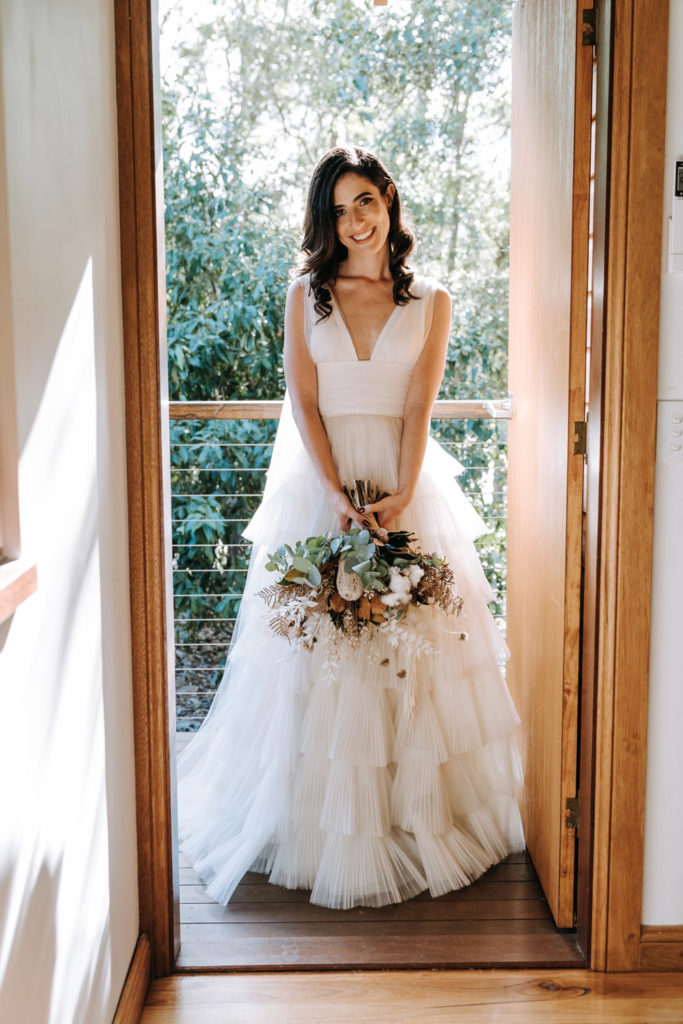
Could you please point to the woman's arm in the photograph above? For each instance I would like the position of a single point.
(302, 384)
(422, 391)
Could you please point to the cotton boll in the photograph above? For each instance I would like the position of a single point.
(399, 589)
(415, 574)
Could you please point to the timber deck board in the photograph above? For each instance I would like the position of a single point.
(501, 919)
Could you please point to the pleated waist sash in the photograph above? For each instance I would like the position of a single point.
(365, 387)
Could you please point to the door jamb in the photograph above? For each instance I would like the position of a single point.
(621, 462)
(620, 512)
(143, 291)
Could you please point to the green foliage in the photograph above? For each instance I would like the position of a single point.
(253, 96)
(356, 549)
(227, 276)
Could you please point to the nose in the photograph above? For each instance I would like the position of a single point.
(357, 219)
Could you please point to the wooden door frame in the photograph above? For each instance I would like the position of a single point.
(143, 290)
(621, 461)
(621, 465)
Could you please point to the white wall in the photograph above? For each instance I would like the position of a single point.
(663, 864)
(68, 873)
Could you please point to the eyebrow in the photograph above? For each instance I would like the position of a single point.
(338, 206)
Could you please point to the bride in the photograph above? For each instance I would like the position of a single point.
(374, 775)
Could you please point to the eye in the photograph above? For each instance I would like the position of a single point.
(338, 213)
(366, 199)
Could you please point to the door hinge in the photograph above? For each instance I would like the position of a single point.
(589, 26)
(571, 806)
(581, 431)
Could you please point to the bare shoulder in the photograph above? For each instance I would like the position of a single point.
(442, 297)
(441, 309)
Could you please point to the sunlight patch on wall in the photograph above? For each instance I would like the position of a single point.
(54, 859)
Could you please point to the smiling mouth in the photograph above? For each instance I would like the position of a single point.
(364, 237)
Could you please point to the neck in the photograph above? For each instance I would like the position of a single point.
(374, 266)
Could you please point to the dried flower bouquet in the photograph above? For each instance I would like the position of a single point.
(360, 581)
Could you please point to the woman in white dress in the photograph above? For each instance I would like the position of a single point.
(370, 777)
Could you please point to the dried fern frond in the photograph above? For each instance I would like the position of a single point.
(272, 595)
(281, 625)
(277, 594)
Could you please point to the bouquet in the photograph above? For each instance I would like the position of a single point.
(360, 581)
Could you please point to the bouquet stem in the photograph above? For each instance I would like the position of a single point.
(364, 493)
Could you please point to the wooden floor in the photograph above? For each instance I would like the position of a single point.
(417, 997)
(502, 919)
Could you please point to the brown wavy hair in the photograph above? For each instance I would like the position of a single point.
(323, 252)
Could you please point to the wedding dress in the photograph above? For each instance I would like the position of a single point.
(369, 779)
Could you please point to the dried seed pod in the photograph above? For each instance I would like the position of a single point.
(349, 584)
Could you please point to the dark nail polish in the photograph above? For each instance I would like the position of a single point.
(362, 508)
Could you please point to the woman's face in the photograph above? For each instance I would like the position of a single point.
(361, 213)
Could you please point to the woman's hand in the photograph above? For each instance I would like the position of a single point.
(345, 511)
(387, 509)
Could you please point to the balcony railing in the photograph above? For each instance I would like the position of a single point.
(220, 453)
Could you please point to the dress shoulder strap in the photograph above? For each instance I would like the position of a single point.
(426, 288)
(308, 308)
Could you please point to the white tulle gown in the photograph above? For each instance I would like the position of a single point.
(326, 776)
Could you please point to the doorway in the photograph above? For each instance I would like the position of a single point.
(141, 267)
(234, 204)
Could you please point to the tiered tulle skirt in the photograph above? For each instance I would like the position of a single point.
(370, 776)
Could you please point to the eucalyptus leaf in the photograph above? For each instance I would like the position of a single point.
(362, 566)
(302, 564)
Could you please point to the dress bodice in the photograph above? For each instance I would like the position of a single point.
(348, 385)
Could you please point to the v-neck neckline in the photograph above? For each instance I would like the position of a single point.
(337, 306)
